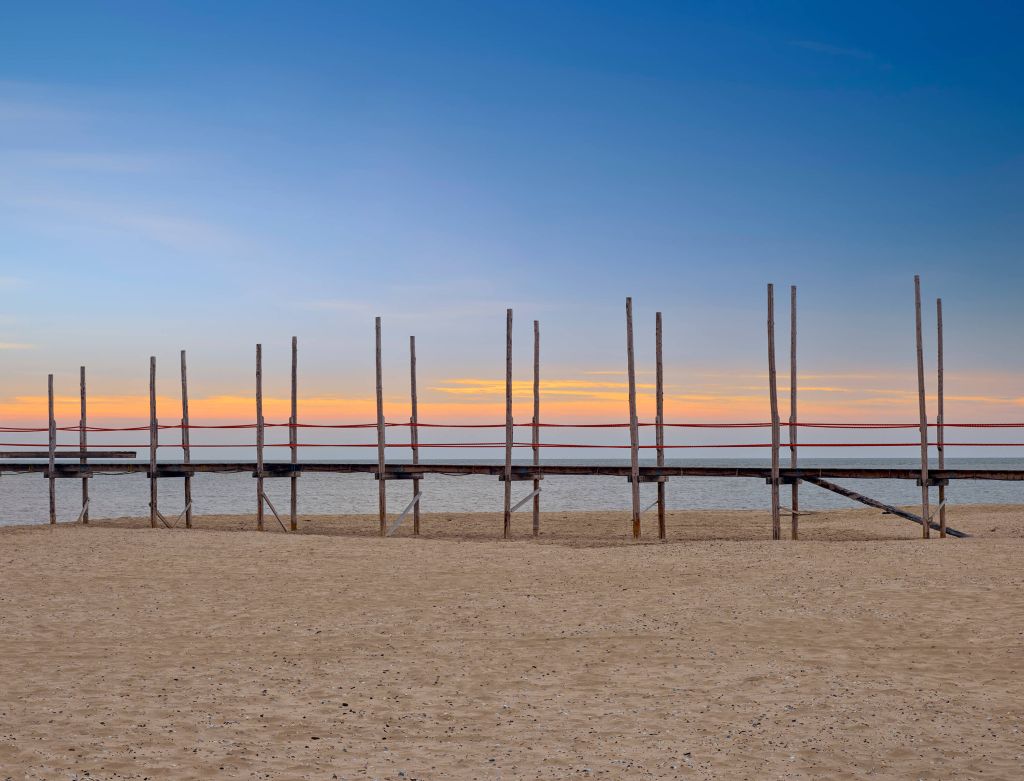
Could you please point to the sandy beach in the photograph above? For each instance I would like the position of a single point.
(859, 652)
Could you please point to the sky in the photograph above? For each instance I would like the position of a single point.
(207, 176)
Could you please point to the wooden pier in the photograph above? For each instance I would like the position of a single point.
(85, 461)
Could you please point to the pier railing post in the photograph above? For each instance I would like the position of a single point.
(773, 393)
(940, 429)
(259, 437)
(634, 436)
(507, 526)
(922, 409)
(293, 439)
(536, 426)
(186, 451)
(382, 496)
(659, 421)
(153, 443)
(414, 434)
(83, 444)
(794, 517)
(52, 450)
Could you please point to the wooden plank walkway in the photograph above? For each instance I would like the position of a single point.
(519, 471)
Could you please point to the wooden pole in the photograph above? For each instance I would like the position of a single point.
(153, 434)
(293, 438)
(414, 435)
(52, 428)
(82, 442)
(507, 530)
(185, 443)
(634, 437)
(794, 517)
(773, 392)
(382, 496)
(259, 437)
(940, 430)
(536, 426)
(922, 409)
(659, 421)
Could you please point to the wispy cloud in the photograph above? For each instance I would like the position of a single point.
(92, 162)
(15, 346)
(489, 389)
(357, 306)
(838, 51)
(182, 233)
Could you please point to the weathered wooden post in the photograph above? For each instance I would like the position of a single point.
(293, 438)
(773, 393)
(634, 436)
(259, 437)
(185, 443)
(922, 410)
(940, 430)
(382, 496)
(52, 428)
(414, 434)
(659, 421)
(507, 529)
(82, 444)
(794, 517)
(536, 426)
(153, 443)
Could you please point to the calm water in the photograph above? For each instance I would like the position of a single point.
(23, 498)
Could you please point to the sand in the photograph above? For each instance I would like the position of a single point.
(859, 652)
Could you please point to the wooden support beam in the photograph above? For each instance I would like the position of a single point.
(940, 431)
(922, 408)
(414, 434)
(507, 529)
(858, 497)
(153, 444)
(634, 434)
(659, 420)
(293, 438)
(794, 502)
(259, 437)
(186, 450)
(536, 425)
(523, 472)
(382, 496)
(52, 449)
(82, 443)
(773, 393)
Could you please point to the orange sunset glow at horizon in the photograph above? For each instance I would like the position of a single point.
(463, 400)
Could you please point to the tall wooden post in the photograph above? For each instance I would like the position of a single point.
(153, 443)
(940, 430)
(922, 409)
(52, 428)
(185, 443)
(794, 517)
(382, 496)
(507, 529)
(659, 421)
(293, 438)
(536, 426)
(773, 392)
(259, 437)
(82, 444)
(634, 436)
(414, 434)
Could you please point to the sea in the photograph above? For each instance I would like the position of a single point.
(24, 497)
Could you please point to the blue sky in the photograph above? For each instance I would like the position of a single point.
(205, 176)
